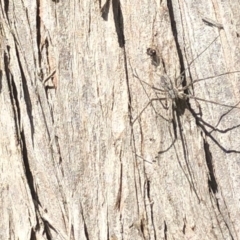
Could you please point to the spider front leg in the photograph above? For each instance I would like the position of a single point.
(150, 103)
(157, 98)
(163, 100)
(191, 84)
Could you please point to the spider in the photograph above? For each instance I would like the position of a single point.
(177, 95)
(177, 92)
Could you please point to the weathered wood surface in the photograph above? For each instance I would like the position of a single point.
(81, 157)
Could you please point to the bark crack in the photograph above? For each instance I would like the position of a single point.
(165, 230)
(38, 30)
(26, 94)
(119, 195)
(13, 94)
(175, 35)
(118, 19)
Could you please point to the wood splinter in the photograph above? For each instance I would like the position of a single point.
(212, 23)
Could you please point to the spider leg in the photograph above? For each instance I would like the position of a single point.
(157, 98)
(149, 103)
(210, 101)
(189, 65)
(142, 81)
(211, 77)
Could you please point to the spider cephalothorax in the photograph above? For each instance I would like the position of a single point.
(174, 93)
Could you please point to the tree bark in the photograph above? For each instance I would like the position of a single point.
(91, 148)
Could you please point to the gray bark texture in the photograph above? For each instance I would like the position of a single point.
(100, 140)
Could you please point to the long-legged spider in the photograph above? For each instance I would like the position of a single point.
(179, 90)
(179, 93)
